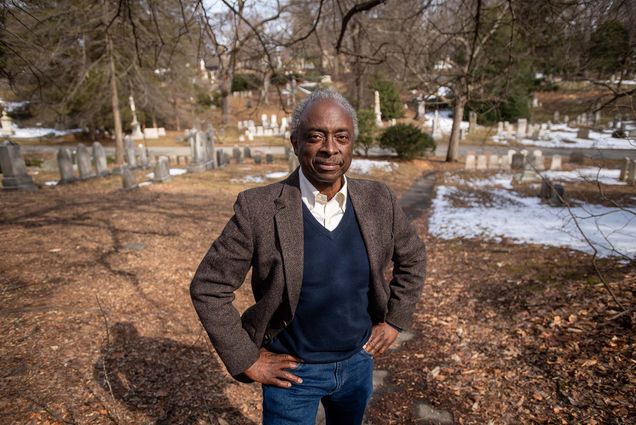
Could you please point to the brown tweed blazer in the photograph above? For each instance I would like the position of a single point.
(266, 234)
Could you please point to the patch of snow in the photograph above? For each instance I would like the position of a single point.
(562, 136)
(142, 184)
(177, 171)
(499, 180)
(12, 106)
(527, 220)
(364, 166)
(445, 120)
(50, 183)
(33, 133)
(590, 174)
(277, 175)
(248, 179)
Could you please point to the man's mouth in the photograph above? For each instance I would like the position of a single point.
(327, 166)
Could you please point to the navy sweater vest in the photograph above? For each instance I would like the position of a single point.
(331, 322)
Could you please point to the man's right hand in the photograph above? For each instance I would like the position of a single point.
(271, 369)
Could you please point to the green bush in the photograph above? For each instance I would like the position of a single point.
(244, 82)
(407, 140)
(390, 104)
(366, 130)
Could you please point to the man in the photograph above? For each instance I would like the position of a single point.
(318, 244)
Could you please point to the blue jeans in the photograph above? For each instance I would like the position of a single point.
(344, 388)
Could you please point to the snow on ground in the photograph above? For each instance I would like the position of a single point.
(261, 179)
(562, 136)
(590, 174)
(445, 120)
(33, 133)
(277, 175)
(173, 172)
(364, 166)
(528, 220)
(12, 106)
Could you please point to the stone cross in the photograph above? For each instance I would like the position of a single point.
(65, 164)
(7, 124)
(14, 171)
(99, 156)
(84, 163)
(129, 152)
(136, 128)
(522, 128)
(555, 164)
(376, 109)
(162, 170)
(128, 178)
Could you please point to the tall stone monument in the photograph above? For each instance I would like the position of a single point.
(7, 125)
(136, 128)
(376, 109)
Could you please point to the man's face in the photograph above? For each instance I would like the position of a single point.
(323, 143)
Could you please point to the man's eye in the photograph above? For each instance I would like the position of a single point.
(342, 138)
(315, 137)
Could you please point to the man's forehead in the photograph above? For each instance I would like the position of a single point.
(327, 107)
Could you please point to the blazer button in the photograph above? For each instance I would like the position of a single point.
(267, 337)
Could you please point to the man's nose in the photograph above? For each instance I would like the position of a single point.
(330, 146)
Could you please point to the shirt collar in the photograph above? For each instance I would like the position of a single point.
(310, 194)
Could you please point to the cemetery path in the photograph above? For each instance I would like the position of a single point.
(418, 197)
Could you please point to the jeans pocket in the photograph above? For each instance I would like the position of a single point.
(366, 353)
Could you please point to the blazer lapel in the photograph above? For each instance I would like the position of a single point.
(289, 228)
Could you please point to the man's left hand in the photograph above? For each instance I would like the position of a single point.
(382, 336)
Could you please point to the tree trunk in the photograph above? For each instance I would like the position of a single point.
(267, 78)
(119, 137)
(453, 143)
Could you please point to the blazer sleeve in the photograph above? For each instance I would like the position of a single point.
(221, 272)
(409, 269)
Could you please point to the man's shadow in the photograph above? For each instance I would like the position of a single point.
(171, 383)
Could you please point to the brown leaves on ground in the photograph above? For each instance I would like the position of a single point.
(98, 326)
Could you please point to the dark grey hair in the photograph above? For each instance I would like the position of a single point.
(319, 95)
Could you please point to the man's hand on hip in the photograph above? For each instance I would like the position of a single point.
(270, 369)
(382, 336)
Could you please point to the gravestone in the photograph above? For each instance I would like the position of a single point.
(518, 160)
(481, 162)
(529, 173)
(538, 160)
(510, 153)
(237, 155)
(84, 163)
(258, 159)
(583, 133)
(421, 110)
(14, 171)
(504, 162)
(470, 162)
(556, 117)
(127, 178)
(162, 170)
(210, 148)
(376, 109)
(99, 156)
(472, 121)
(436, 129)
(500, 128)
(546, 189)
(555, 164)
(269, 158)
(65, 165)
(577, 157)
(7, 124)
(631, 176)
(522, 128)
(199, 152)
(221, 158)
(142, 155)
(557, 195)
(624, 169)
(247, 152)
(129, 152)
(493, 162)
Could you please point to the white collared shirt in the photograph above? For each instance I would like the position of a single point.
(328, 213)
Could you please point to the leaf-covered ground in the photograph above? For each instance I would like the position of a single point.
(98, 326)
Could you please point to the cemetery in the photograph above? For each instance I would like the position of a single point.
(525, 200)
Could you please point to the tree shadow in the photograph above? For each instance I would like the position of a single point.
(170, 382)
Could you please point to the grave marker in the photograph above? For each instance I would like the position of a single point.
(65, 164)
(14, 171)
(162, 170)
(470, 162)
(555, 164)
(481, 162)
(99, 156)
(84, 163)
(128, 178)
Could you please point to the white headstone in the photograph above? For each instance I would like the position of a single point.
(470, 162)
(522, 128)
(376, 109)
(555, 163)
(7, 124)
(482, 163)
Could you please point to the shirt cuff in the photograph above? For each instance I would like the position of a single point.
(394, 327)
